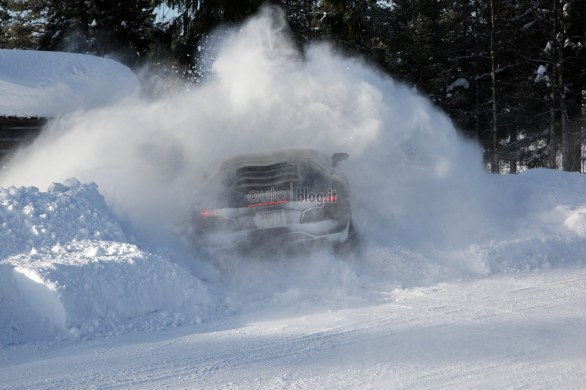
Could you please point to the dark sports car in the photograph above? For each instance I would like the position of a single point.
(293, 196)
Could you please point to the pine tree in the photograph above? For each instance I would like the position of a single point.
(197, 18)
(102, 27)
(4, 16)
(432, 47)
(300, 15)
(560, 59)
(418, 45)
(120, 29)
(22, 23)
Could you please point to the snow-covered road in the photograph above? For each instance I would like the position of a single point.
(508, 331)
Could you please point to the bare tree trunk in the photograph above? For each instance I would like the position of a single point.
(514, 153)
(559, 37)
(309, 13)
(300, 15)
(476, 71)
(567, 139)
(583, 126)
(495, 160)
(570, 137)
(554, 98)
(583, 138)
(583, 130)
(552, 147)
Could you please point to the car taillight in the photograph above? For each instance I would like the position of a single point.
(210, 221)
(207, 213)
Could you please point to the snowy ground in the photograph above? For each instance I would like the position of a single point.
(463, 279)
(507, 331)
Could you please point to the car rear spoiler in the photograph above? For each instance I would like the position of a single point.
(337, 157)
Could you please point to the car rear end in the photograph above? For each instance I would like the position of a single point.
(274, 204)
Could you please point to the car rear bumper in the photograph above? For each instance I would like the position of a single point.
(328, 231)
(291, 222)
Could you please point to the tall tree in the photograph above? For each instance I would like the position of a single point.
(197, 18)
(101, 27)
(21, 23)
(560, 66)
(300, 15)
(4, 16)
(416, 43)
(432, 47)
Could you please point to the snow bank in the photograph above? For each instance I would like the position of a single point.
(539, 223)
(68, 270)
(51, 84)
(32, 220)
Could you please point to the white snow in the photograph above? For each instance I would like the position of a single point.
(463, 280)
(509, 331)
(458, 83)
(51, 84)
(541, 74)
(67, 262)
(384, 3)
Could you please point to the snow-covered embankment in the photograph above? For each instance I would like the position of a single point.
(68, 270)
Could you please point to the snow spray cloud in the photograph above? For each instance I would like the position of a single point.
(414, 180)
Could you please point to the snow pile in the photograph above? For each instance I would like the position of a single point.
(50, 84)
(68, 270)
(32, 220)
(531, 221)
(541, 223)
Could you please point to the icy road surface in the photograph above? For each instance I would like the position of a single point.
(512, 331)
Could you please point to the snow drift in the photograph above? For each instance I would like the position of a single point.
(68, 270)
(424, 206)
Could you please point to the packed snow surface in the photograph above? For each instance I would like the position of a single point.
(507, 331)
(462, 280)
(51, 84)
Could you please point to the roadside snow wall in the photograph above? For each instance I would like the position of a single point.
(67, 270)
